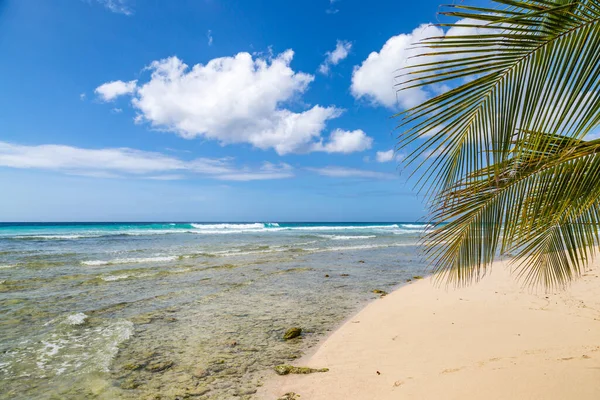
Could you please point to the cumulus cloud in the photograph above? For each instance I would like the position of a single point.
(374, 80)
(385, 156)
(343, 172)
(341, 141)
(209, 36)
(111, 90)
(237, 99)
(341, 51)
(126, 162)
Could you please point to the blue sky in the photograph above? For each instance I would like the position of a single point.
(205, 110)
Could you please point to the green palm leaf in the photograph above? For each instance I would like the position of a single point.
(507, 170)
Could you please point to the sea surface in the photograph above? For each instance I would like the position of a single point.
(181, 310)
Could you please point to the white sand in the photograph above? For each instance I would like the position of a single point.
(491, 340)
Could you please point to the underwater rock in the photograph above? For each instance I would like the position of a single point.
(141, 320)
(149, 354)
(285, 369)
(130, 384)
(344, 275)
(200, 373)
(197, 391)
(326, 276)
(381, 292)
(417, 277)
(361, 261)
(292, 333)
(159, 366)
(246, 392)
(134, 366)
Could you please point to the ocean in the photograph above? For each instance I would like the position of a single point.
(173, 310)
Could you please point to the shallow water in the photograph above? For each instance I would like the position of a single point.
(128, 311)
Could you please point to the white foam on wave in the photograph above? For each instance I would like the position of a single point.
(7, 266)
(57, 237)
(76, 319)
(90, 349)
(360, 247)
(228, 226)
(112, 278)
(226, 253)
(341, 237)
(275, 227)
(215, 229)
(342, 227)
(118, 332)
(405, 231)
(134, 260)
(234, 253)
(415, 226)
(51, 348)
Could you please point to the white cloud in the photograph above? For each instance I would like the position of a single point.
(267, 171)
(374, 80)
(117, 6)
(121, 162)
(210, 37)
(172, 177)
(82, 96)
(111, 90)
(341, 141)
(385, 156)
(237, 99)
(117, 110)
(343, 172)
(341, 51)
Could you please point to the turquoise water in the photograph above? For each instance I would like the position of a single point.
(172, 310)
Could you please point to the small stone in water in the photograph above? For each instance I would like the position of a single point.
(292, 333)
(199, 373)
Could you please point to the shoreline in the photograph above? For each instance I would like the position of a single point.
(492, 340)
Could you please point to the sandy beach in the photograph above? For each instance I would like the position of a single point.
(492, 340)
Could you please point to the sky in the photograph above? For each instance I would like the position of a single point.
(207, 110)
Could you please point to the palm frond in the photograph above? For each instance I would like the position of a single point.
(507, 169)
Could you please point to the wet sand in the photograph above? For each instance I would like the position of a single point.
(492, 340)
